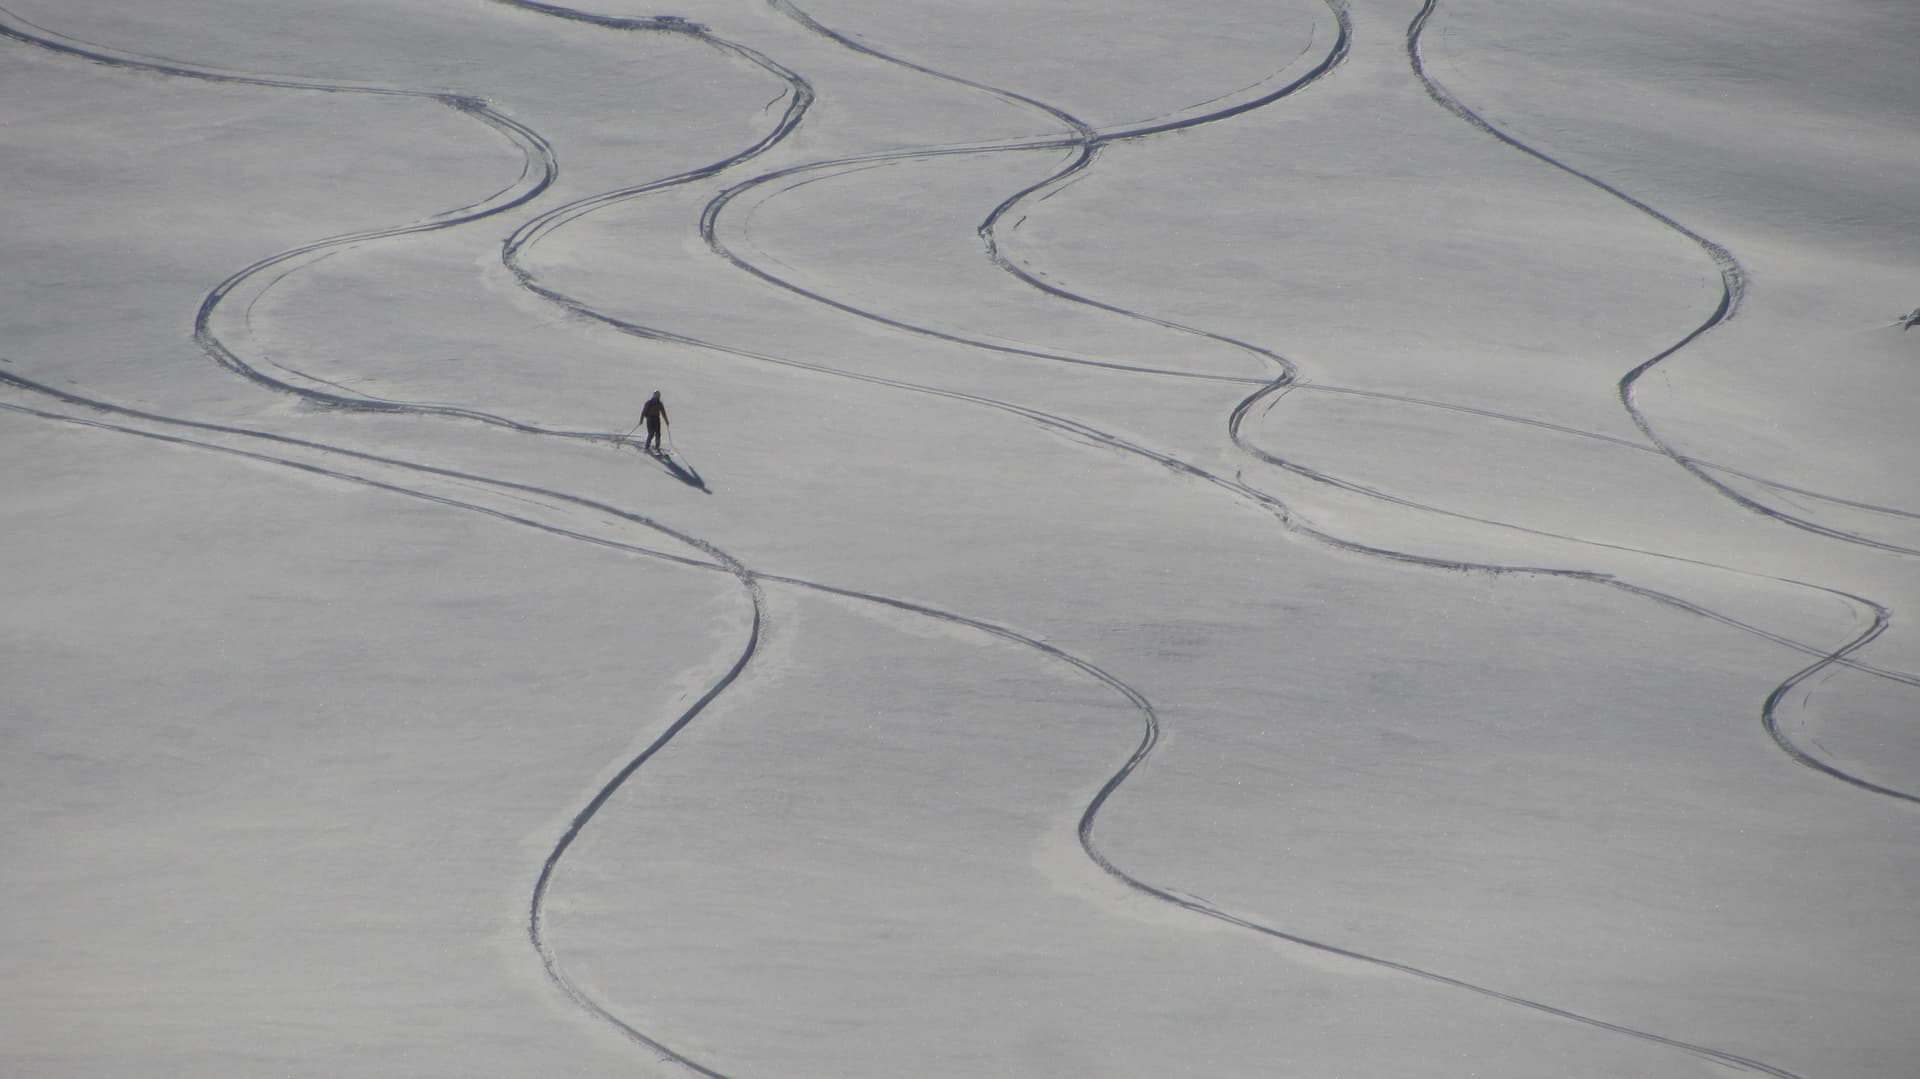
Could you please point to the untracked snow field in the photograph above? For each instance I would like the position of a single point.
(1299, 538)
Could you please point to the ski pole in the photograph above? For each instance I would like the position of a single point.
(636, 427)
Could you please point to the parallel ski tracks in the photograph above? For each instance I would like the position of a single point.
(539, 168)
(1088, 146)
(1089, 141)
(799, 95)
(1086, 143)
(1269, 396)
(752, 583)
(539, 174)
(201, 438)
(1732, 291)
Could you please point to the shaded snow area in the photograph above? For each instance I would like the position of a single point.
(1306, 539)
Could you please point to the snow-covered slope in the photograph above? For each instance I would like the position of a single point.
(1241, 539)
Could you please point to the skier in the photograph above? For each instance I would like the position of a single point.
(654, 415)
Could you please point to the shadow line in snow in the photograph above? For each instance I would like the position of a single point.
(684, 473)
(677, 466)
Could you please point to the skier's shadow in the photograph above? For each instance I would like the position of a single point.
(675, 467)
(681, 471)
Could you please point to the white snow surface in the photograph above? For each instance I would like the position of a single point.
(1236, 539)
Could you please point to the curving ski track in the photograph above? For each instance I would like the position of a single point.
(751, 582)
(1083, 139)
(1087, 146)
(539, 170)
(539, 173)
(540, 167)
(1732, 289)
(1089, 142)
(799, 95)
(1083, 159)
(716, 560)
(1620, 443)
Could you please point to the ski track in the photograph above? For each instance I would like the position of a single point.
(716, 560)
(751, 582)
(1088, 148)
(540, 169)
(799, 95)
(1732, 290)
(1088, 152)
(1090, 141)
(709, 232)
(1621, 443)
(1084, 139)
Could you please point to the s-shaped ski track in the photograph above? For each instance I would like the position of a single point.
(1732, 290)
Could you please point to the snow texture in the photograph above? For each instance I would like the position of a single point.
(1307, 539)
